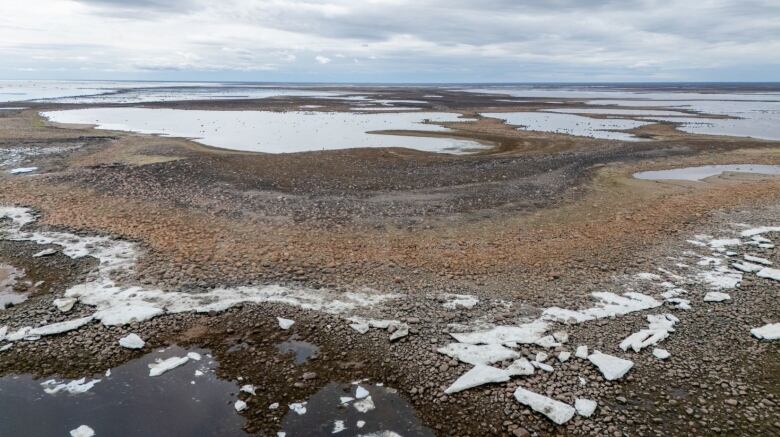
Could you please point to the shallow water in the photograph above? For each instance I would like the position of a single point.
(570, 124)
(391, 413)
(8, 277)
(275, 132)
(127, 403)
(632, 112)
(702, 172)
(302, 351)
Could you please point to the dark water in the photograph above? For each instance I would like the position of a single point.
(127, 403)
(301, 350)
(391, 416)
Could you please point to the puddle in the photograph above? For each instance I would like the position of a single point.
(325, 413)
(276, 132)
(301, 350)
(705, 171)
(129, 402)
(570, 124)
(8, 277)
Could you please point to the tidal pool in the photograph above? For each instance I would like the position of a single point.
(301, 351)
(570, 124)
(126, 403)
(704, 171)
(352, 410)
(276, 132)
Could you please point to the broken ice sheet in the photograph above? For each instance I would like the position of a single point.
(459, 300)
(660, 326)
(76, 386)
(162, 366)
(770, 331)
(556, 411)
(478, 354)
(478, 375)
(611, 367)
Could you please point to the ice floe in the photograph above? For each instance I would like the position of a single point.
(478, 375)
(299, 408)
(660, 326)
(364, 405)
(82, 431)
(240, 406)
(715, 296)
(77, 386)
(556, 411)
(478, 354)
(527, 333)
(131, 341)
(611, 367)
(767, 332)
(609, 305)
(162, 366)
(585, 407)
(338, 426)
(361, 393)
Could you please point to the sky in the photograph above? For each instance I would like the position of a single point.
(391, 40)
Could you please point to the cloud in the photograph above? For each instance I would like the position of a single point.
(421, 40)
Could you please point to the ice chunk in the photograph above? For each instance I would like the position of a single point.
(660, 326)
(747, 267)
(240, 406)
(196, 357)
(21, 170)
(346, 399)
(661, 354)
(581, 352)
(160, 367)
(759, 260)
(478, 375)
(541, 365)
(248, 388)
(273, 406)
(767, 332)
(82, 431)
(715, 296)
(364, 405)
(360, 423)
(648, 276)
(459, 300)
(299, 408)
(611, 367)
(680, 303)
(77, 386)
(547, 341)
(338, 426)
(401, 330)
(561, 336)
(585, 407)
(132, 341)
(556, 411)
(64, 304)
(524, 334)
(564, 356)
(541, 356)
(361, 393)
(760, 230)
(285, 323)
(44, 252)
(478, 354)
(769, 273)
(520, 366)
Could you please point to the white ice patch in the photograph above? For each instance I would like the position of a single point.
(364, 405)
(77, 386)
(478, 375)
(285, 323)
(760, 230)
(747, 267)
(767, 332)
(82, 431)
(44, 252)
(769, 273)
(21, 170)
(64, 304)
(715, 296)
(556, 411)
(609, 305)
(248, 388)
(520, 367)
(661, 354)
(581, 352)
(660, 326)
(162, 366)
(240, 406)
(585, 407)
(528, 333)
(720, 278)
(299, 408)
(338, 426)
(478, 354)
(459, 300)
(116, 304)
(361, 393)
(30, 333)
(132, 341)
(611, 367)
(756, 259)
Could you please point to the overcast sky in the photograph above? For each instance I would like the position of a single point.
(392, 40)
